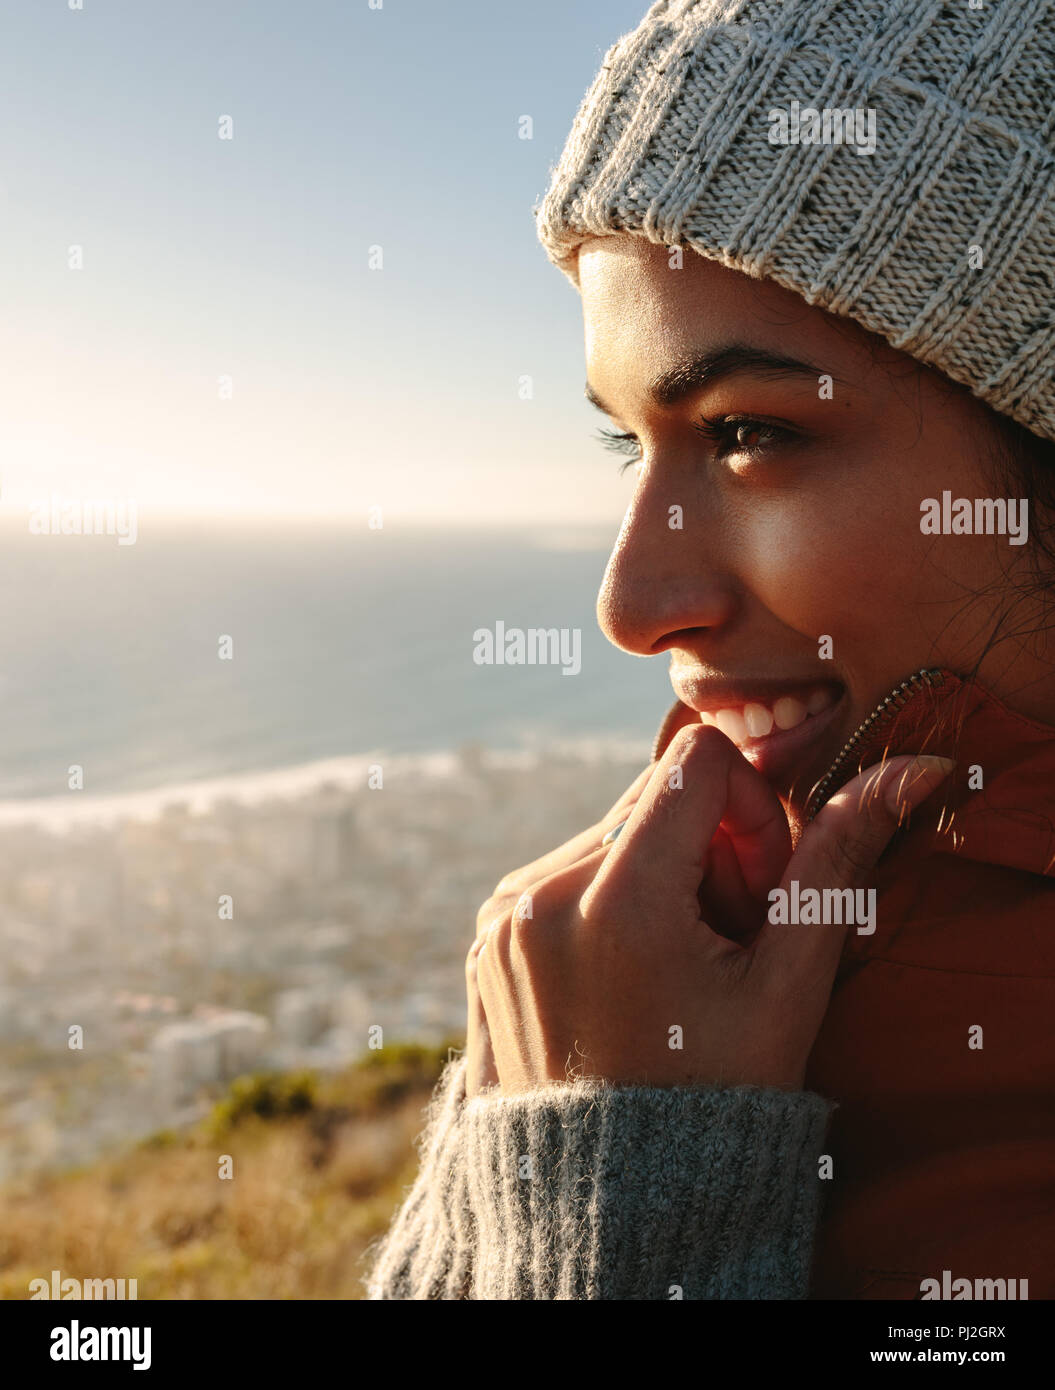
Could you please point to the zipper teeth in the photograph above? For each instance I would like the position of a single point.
(894, 702)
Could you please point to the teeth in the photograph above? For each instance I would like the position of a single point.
(732, 724)
(787, 712)
(758, 720)
(755, 720)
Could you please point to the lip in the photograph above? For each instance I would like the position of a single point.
(779, 756)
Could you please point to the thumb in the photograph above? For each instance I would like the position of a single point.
(839, 850)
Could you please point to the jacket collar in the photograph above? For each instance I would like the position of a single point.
(998, 805)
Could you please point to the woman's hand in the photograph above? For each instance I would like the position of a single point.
(595, 961)
(481, 1069)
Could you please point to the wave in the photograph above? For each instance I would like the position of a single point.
(59, 813)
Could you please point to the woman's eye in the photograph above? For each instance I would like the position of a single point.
(727, 435)
(733, 434)
(749, 436)
(622, 444)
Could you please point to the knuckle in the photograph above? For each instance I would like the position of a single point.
(684, 741)
(472, 956)
(697, 745)
(848, 857)
(489, 950)
(542, 902)
(497, 934)
(523, 915)
(706, 737)
(831, 856)
(599, 899)
(734, 966)
(492, 908)
(591, 909)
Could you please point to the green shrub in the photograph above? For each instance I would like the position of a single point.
(266, 1095)
(160, 1139)
(388, 1074)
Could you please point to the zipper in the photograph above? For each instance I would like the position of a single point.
(886, 709)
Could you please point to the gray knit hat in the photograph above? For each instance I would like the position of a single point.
(742, 128)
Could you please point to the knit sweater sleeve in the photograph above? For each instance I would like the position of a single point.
(587, 1190)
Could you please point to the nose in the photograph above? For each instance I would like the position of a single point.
(666, 576)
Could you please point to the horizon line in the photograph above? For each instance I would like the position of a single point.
(359, 520)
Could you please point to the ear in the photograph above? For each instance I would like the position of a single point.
(676, 718)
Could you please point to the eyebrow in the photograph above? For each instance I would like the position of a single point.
(710, 367)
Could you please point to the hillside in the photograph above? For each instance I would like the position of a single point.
(319, 1166)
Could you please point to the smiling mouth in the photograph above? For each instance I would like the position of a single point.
(786, 728)
(754, 721)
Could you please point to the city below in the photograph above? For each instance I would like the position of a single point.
(147, 962)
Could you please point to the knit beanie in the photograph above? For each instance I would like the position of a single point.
(892, 161)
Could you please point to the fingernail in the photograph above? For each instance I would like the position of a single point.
(613, 834)
(916, 782)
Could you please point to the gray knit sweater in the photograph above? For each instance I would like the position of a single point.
(587, 1190)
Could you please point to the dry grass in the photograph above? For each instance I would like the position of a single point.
(309, 1192)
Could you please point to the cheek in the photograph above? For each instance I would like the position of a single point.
(835, 567)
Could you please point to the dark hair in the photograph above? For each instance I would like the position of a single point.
(1021, 604)
(1024, 466)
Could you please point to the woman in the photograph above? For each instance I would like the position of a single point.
(778, 1025)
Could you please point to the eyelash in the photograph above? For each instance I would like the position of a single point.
(720, 430)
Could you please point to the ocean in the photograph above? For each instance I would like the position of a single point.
(345, 643)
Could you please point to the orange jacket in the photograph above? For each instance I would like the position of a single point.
(939, 1041)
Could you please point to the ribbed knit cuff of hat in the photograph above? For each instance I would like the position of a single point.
(592, 1191)
(934, 232)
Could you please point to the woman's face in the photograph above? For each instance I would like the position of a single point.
(773, 541)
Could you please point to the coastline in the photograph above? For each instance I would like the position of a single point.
(59, 814)
(263, 922)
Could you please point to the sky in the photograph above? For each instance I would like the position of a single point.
(224, 347)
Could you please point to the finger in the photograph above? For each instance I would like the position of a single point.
(548, 906)
(839, 849)
(531, 928)
(677, 717)
(577, 847)
(725, 903)
(481, 1070)
(506, 893)
(524, 955)
(582, 845)
(702, 781)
